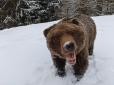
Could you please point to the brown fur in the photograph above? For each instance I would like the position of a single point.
(82, 31)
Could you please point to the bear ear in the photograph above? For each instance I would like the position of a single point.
(75, 21)
(47, 30)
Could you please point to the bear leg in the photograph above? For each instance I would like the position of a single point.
(60, 65)
(91, 49)
(81, 64)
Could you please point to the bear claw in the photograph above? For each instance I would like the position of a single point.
(61, 73)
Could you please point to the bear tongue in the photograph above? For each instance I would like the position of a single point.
(71, 58)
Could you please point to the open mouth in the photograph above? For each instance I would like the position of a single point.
(71, 58)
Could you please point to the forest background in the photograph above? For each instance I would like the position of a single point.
(24, 12)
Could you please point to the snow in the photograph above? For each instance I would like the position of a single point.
(25, 59)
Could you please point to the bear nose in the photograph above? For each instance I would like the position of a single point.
(69, 46)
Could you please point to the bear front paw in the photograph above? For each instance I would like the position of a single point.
(61, 73)
(78, 75)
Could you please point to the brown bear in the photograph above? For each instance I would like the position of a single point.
(71, 40)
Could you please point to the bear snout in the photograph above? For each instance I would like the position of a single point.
(69, 46)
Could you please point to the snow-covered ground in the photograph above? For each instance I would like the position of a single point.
(25, 59)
